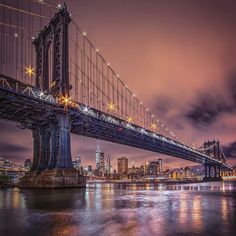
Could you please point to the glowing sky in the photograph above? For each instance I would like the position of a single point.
(178, 57)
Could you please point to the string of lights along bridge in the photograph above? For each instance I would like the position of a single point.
(94, 83)
(54, 81)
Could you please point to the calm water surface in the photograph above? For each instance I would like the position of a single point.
(121, 209)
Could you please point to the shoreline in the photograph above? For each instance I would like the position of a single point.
(138, 182)
(151, 182)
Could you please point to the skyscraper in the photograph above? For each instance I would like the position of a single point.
(100, 163)
(122, 164)
(108, 165)
(160, 165)
(77, 162)
(155, 167)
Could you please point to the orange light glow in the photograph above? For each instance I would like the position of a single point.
(111, 106)
(29, 71)
(67, 101)
(154, 126)
(130, 119)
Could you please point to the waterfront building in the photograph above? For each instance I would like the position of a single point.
(187, 172)
(122, 164)
(146, 167)
(133, 170)
(1, 162)
(229, 173)
(28, 164)
(90, 169)
(77, 162)
(155, 167)
(5, 164)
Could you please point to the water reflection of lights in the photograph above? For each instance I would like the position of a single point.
(161, 187)
(12, 199)
(183, 209)
(224, 209)
(197, 213)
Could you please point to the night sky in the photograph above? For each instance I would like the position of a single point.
(178, 57)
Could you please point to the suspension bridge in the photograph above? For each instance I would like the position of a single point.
(54, 81)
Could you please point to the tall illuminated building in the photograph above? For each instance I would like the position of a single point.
(108, 164)
(155, 167)
(122, 164)
(100, 163)
(77, 162)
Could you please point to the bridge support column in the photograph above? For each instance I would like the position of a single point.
(212, 172)
(53, 146)
(36, 145)
(44, 148)
(58, 171)
(64, 158)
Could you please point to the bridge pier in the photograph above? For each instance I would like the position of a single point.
(64, 158)
(52, 161)
(43, 148)
(36, 145)
(212, 172)
(53, 146)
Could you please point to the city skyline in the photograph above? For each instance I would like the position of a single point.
(167, 54)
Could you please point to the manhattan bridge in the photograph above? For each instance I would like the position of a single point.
(55, 82)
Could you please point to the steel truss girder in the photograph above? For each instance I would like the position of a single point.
(41, 111)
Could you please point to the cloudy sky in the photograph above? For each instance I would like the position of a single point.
(178, 57)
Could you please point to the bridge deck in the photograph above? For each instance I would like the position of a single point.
(25, 104)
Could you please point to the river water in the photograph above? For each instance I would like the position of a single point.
(121, 209)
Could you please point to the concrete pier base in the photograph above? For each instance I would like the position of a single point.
(55, 178)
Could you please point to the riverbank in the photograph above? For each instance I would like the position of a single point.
(154, 182)
(145, 182)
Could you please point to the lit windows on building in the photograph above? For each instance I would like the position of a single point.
(122, 164)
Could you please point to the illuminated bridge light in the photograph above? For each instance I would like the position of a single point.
(29, 71)
(86, 109)
(153, 126)
(154, 135)
(130, 119)
(65, 100)
(143, 131)
(111, 106)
